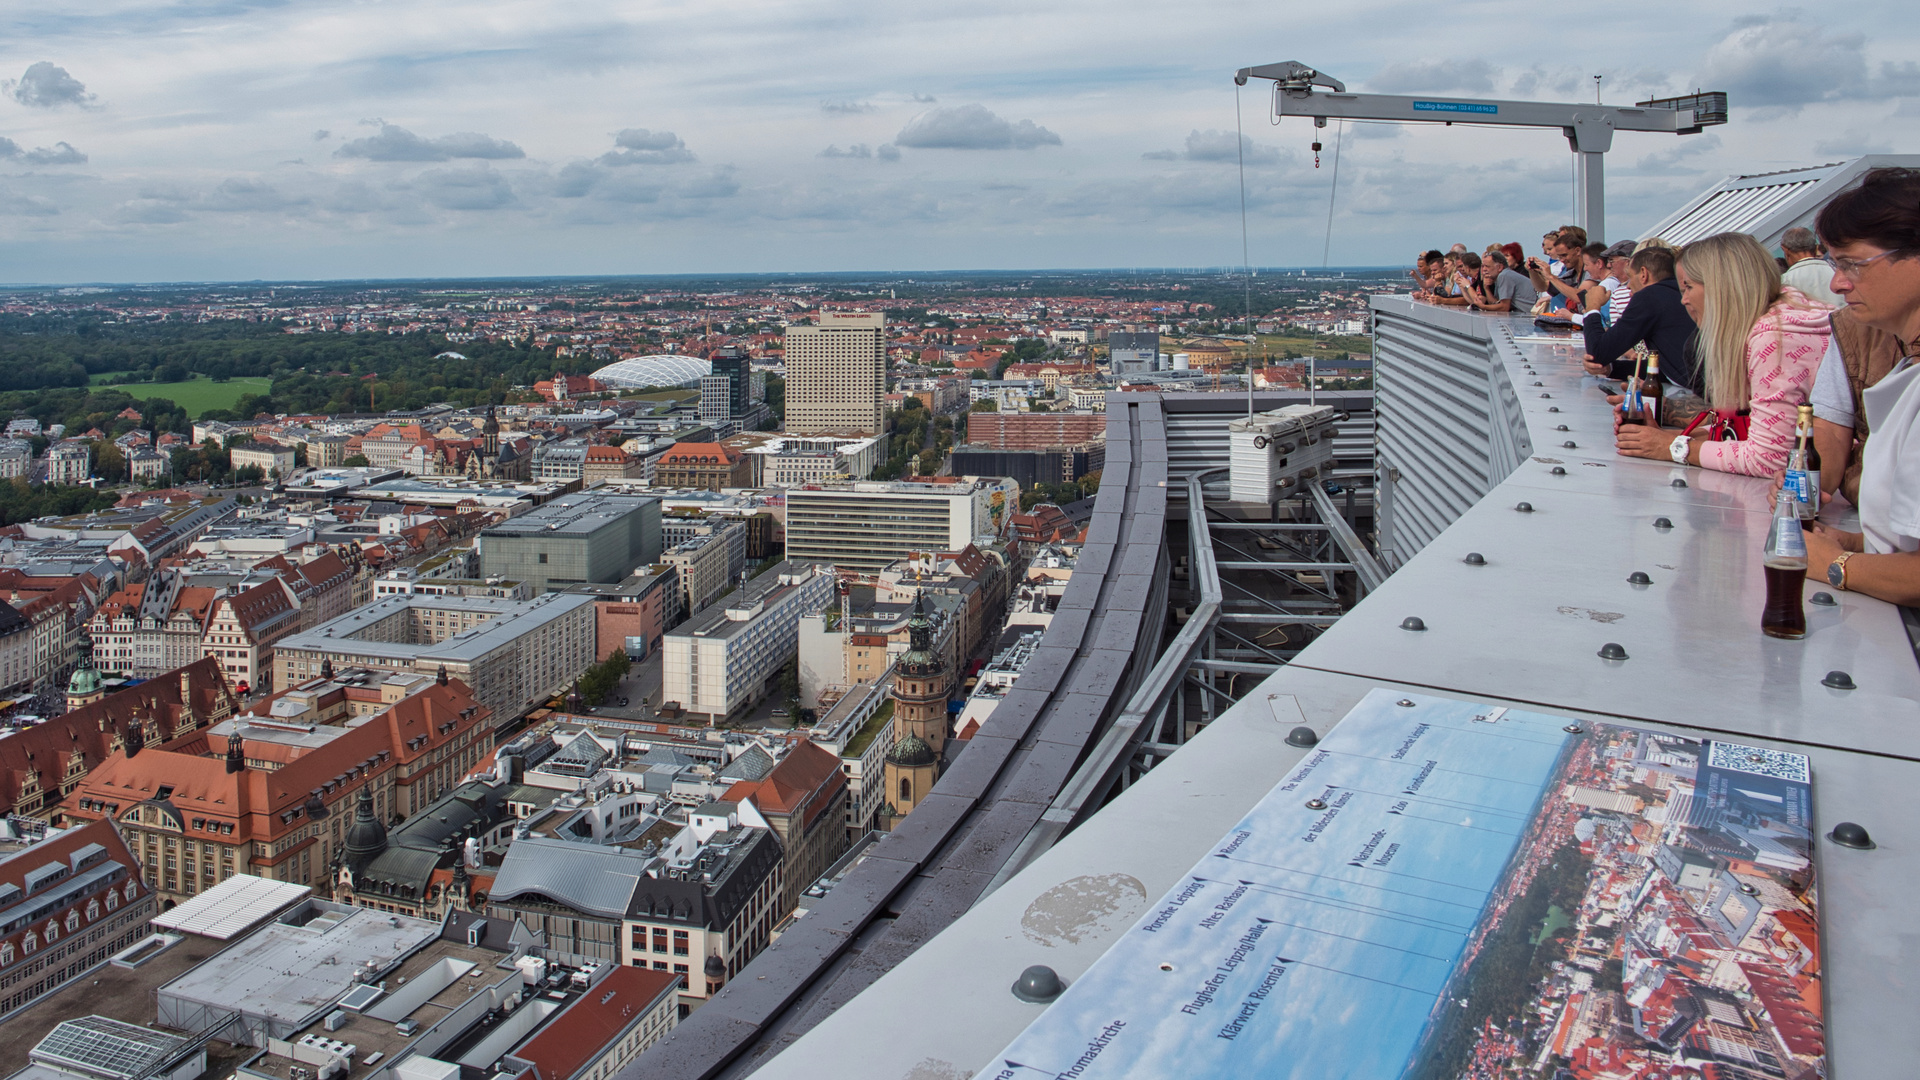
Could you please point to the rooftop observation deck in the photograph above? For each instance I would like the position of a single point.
(1469, 415)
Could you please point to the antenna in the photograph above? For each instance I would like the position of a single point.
(1596, 88)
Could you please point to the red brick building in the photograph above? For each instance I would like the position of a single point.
(1034, 431)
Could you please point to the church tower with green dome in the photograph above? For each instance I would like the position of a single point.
(86, 686)
(920, 686)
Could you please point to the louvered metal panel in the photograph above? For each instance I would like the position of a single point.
(1448, 422)
(1765, 205)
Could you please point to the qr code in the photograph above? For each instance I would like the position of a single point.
(1778, 764)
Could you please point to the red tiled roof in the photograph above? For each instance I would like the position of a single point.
(806, 772)
(579, 1034)
(60, 849)
(91, 730)
(687, 453)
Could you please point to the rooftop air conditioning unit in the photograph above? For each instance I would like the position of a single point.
(1275, 454)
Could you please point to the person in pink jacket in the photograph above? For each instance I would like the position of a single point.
(1759, 345)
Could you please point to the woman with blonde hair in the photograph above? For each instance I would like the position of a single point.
(1759, 344)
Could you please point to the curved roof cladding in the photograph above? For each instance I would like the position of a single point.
(941, 858)
(661, 369)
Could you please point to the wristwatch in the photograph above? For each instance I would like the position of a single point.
(1678, 449)
(1837, 570)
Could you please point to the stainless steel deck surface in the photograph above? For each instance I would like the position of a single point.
(1698, 665)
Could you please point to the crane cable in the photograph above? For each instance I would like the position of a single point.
(1333, 189)
(1246, 259)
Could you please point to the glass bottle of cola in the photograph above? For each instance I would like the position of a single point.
(1785, 563)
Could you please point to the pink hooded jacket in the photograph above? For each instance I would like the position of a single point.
(1783, 353)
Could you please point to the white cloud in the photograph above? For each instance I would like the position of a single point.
(395, 143)
(1788, 62)
(60, 153)
(638, 146)
(240, 194)
(48, 86)
(467, 187)
(1434, 77)
(972, 127)
(1218, 146)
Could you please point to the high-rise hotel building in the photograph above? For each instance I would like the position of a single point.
(837, 375)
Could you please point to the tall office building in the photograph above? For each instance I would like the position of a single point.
(837, 375)
(730, 362)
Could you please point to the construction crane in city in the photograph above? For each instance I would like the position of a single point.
(1299, 90)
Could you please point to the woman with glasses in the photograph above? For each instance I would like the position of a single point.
(1759, 344)
(1872, 234)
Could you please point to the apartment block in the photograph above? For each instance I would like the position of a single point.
(720, 661)
(865, 526)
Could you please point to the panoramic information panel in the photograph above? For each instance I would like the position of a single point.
(1446, 889)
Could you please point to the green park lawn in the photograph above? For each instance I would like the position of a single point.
(196, 395)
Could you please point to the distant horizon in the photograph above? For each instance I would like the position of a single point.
(859, 276)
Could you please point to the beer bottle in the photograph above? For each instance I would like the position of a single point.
(1785, 562)
(1633, 405)
(1810, 468)
(1650, 390)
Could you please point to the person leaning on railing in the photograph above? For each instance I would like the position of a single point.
(1501, 288)
(1872, 233)
(1655, 315)
(1758, 347)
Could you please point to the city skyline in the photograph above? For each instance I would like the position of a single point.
(145, 142)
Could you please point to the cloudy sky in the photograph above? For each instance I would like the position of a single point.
(236, 139)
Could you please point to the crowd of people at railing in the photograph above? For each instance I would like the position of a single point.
(1744, 338)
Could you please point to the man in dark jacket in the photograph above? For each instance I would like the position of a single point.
(1654, 316)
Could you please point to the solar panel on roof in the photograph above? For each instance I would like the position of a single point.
(232, 907)
(103, 1046)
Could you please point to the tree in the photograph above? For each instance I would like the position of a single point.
(984, 405)
(790, 689)
(109, 463)
(357, 461)
(599, 682)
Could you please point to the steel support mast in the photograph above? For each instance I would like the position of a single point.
(1589, 128)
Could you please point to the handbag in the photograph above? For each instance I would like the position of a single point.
(1720, 428)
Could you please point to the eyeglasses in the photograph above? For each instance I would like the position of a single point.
(1852, 267)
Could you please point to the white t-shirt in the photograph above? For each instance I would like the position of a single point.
(1832, 397)
(1811, 277)
(1890, 463)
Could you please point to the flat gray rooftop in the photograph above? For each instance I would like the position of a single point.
(570, 516)
(511, 619)
(287, 973)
